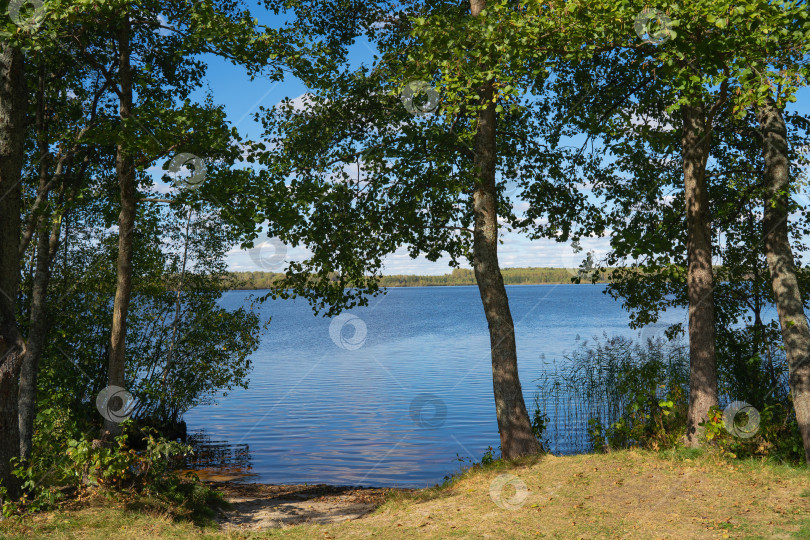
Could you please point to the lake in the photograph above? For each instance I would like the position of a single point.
(391, 394)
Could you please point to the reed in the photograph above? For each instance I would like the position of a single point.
(603, 381)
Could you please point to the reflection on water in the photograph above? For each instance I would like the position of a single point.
(218, 460)
(392, 394)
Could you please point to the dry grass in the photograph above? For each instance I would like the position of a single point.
(620, 495)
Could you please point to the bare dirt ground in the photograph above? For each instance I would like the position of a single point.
(262, 506)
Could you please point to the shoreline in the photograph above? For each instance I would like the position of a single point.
(215, 477)
(429, 286)
(459, 277)
(258, 506)
(638, 494)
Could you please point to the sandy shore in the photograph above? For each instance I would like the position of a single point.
(261, 506)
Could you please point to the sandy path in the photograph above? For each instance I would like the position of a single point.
(261, 506)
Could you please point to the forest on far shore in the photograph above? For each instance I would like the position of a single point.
(459, 276)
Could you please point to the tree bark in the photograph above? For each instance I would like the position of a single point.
(169, 413)
(47, 243)
(125, 170)
(789, 305)
(514, 426)
(38, 327)
(13, 102)
(699, 278)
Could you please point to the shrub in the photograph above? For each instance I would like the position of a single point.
(775, 436)
(117, 464)
(617, 394)
(137, 462)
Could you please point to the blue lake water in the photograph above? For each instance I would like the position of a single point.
(398, 390)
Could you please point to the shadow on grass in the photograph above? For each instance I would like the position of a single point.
(476, 469)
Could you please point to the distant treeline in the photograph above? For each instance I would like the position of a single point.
(459, 276)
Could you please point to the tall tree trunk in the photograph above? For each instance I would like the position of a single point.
(789, 305)
(38, 318)
(514, 426)
(47, 243)
(168, 412)
(125, 169)
(699, 278)
(13, 102)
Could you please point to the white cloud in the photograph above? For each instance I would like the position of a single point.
(638, 118)
(164, 22)
(517, 251)
(300, 103)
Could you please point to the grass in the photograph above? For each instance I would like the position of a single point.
(628, 494)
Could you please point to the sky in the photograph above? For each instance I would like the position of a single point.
(241, 97)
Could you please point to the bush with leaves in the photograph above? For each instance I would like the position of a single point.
(627, 395)
(183, 348)
(774, 435)
(617, 394)
(139, 462)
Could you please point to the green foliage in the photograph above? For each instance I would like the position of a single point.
(359, 176)
(184, 348)
(596, 437)
(635, 396)
(624, 394)
(144, 464)
(653, 400)
(39, 497)
(559, 70)
(55, 425)
(776, 436)
(119, 465)
(459, 276)
(540, 423)
(650, 423)
(489, 458)
(9, 507)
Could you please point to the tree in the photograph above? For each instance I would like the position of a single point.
(176, 360)
(739, 76)
(517, 438)
(645, 209)
(13, 103)
(100, 40)
(68, 100)
(786, 290)
(699, 63)
(361, 167)
(743, 68)
(785, 59)
(152, 70)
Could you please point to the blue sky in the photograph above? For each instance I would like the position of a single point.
(242, 98)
